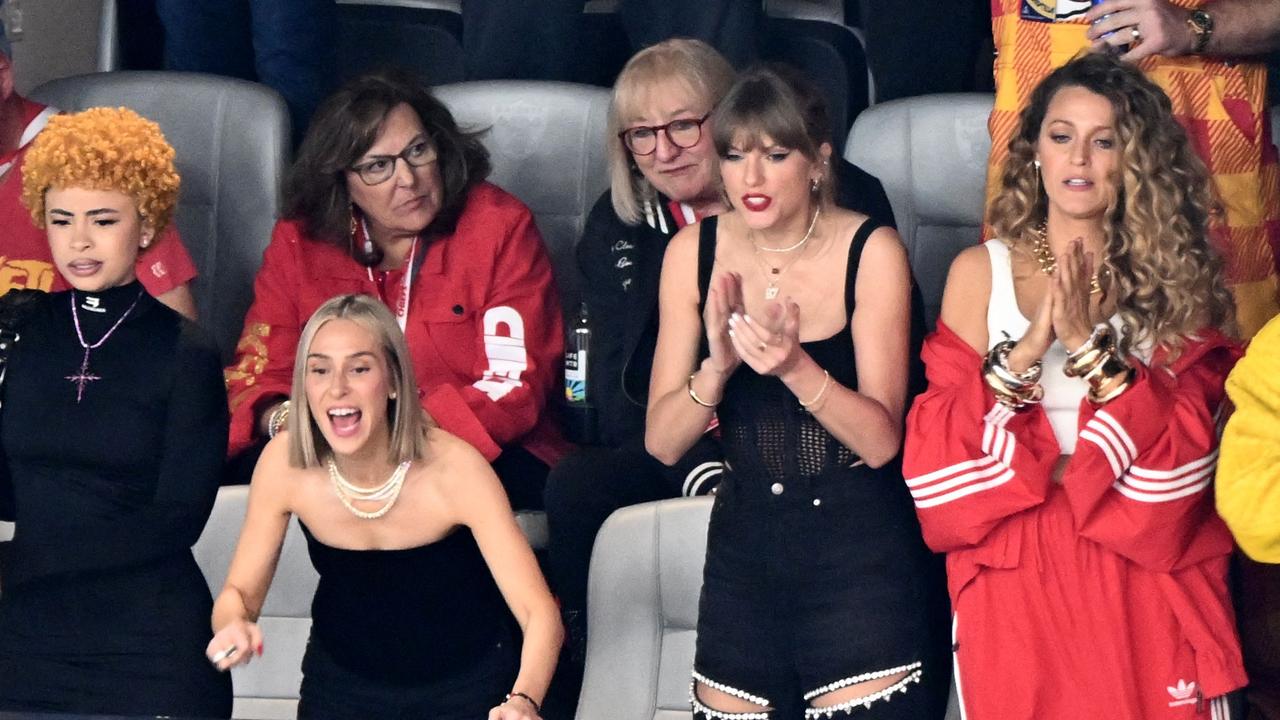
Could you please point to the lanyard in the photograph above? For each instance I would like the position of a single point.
(401, 308)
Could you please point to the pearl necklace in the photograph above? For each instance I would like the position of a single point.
(1049, 263)
(388, 492)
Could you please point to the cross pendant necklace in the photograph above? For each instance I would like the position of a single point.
(84, 377)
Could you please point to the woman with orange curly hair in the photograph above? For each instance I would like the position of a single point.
(113, 427)
(1063, 455)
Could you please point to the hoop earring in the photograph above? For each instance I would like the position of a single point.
(367, 246)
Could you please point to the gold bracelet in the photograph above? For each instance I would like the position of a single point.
(1088, 356)
(1109, 378)
(1099, 397)
(279, 417)
(809, 406)
(693, 394)
(1012, 389)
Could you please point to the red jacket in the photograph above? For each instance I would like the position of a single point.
(1105, 595)
(484, 326)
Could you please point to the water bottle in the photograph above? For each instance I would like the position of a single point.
(575, 359)
(580, 420)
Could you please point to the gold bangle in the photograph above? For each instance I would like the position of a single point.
(1088, 356)
(693, 393)
(279, 417)
(1012, 389)
(1098, 397)
(826, 381)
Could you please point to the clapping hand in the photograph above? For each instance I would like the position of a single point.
(724, 301)
(769, 345)
(1072, 298)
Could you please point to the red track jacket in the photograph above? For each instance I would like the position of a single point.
(484, 326)
(1104, 596)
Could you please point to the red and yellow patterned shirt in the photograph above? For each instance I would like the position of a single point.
(1221, 103)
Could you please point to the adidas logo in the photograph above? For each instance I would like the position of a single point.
(1184, 693)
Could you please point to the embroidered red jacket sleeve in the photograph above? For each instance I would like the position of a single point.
(969, 461)
(263, 369)
(1139, 481)
(517, 366)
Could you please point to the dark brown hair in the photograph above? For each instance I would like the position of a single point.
(344, 128)
(764, 103)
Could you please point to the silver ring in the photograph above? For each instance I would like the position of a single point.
(1136, 33)
(763, 346)
(219, 657)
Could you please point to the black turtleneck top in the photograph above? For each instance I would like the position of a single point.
(127, 473)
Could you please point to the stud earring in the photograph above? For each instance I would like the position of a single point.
(813, 185)
(392, 395)
(1036, 163)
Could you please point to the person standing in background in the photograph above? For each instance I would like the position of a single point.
(1207, 56)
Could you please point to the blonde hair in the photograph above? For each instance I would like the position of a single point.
(103, 149)
(1166, 278)
(409, 421)
(705, 74)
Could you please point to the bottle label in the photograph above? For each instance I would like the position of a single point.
(575, 376)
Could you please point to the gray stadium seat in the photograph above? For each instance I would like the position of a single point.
(547, 143)
(232, 142)
(266, 689)
(930, 153)
(642, 611)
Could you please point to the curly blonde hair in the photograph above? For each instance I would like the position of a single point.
(1166, 278)
(103, 149)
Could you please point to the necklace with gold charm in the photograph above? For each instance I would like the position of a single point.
(1048, 263)
(772, 274)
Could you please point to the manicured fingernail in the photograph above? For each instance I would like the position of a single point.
(731, 332)
(733, 319)
(261, 648)
(747, 318)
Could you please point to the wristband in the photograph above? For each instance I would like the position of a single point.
(517, 694)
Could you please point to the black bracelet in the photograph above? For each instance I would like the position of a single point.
(516, 693)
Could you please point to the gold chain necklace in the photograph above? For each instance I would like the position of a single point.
(773, 274)
(1049, 264)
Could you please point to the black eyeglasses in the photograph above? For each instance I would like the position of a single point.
(682, 132)
(379, 168)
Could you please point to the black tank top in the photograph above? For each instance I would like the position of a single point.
(764, 430)
(406, 616)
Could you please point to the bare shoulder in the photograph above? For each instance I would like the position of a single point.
(970, 275)
(967, 294)
(274, 479)
(683, 246)
(461, 472)
(884, 249)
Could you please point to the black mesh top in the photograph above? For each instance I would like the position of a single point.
(764, 430)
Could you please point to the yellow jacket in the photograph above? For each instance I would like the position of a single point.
(1248, 483)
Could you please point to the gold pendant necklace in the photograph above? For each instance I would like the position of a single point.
(773, 274)
(1049, 264)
